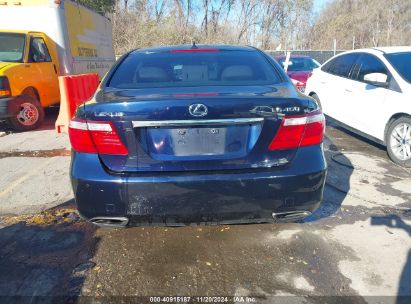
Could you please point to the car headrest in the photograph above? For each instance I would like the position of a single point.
(237, 72)
(298, 65)
(152, 74)
(194, 73)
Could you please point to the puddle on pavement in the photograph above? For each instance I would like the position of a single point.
(36, 153)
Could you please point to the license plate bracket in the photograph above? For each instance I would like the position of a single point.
(198, 142)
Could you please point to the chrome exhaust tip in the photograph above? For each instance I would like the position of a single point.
(290, 215)
(111, 222)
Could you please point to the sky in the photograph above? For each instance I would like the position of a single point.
(319, 4)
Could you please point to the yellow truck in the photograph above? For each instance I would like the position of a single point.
(39, 41)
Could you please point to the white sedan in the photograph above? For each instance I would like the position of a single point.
(369, 92)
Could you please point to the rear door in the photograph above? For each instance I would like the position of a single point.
(197, 110)
(367, 101)
(336, 87)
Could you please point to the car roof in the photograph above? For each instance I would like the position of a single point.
(381, 50)
(19, 32)
(221, 47)
(394, 49)
(14, 31)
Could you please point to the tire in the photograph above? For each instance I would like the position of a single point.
(317, 99)
(30, 116)
(398, 140)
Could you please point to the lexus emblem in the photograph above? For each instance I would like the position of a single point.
(198, 110)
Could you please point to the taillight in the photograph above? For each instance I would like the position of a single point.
(299, 85)
(95, 137)
(4, 87)
(299, 131)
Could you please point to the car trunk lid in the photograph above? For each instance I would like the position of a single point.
(178, 130)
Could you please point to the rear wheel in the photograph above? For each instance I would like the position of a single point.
(30, 115)
(398, 141)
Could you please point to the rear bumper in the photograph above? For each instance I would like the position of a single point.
(7, 108)
(235, 197)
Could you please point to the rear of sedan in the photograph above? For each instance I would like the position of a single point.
(211, 134)
(299, 69)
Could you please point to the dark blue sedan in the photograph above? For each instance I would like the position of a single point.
(197, 134)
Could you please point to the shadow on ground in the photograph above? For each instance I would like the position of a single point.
(337, 184)
(45, 255)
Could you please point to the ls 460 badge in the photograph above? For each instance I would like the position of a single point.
(270, 111)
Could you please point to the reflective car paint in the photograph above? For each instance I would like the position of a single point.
(242, 184)
(247, 196)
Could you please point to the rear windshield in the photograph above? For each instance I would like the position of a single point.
(401, 63)
(300, 64)
(181, 69)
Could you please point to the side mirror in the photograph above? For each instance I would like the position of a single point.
(377, 79)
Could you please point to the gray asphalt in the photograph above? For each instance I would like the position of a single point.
(357, 244)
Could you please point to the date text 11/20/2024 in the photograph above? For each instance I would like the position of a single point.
(205, 299)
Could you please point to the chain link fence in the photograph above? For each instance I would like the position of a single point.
(320, 55)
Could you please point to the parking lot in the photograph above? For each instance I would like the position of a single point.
(357, 243)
